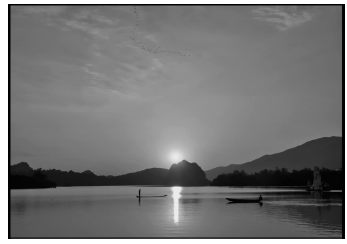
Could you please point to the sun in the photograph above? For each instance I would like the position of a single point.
(175, 156)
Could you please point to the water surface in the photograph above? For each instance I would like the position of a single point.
(114, 211)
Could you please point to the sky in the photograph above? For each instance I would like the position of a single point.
(118, 89)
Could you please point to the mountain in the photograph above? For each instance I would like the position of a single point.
(213, 173)
(331, 178)
(22, 168)
(181, 174)
(186, 174)
(153, 176)
(88, 172)
(324, 152)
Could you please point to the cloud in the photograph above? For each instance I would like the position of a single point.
(39, 10)
(83, 26)
(21, 154)
(102, 19)
(91, 21)
(66, 62)
(285, 17)
(88, 20)
(156, 64)
(151, 38)
(89, 14)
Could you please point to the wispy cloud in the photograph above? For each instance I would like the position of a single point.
(94, 54)
(39, 10)
(285, 17)
(88, 14)
(90, 21)
(83, 26)
(125, 77)
(17, 154)
(151, 38)
(105, 20)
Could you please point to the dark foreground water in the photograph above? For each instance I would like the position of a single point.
(114, 211)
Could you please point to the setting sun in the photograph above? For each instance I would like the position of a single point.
(175, 157)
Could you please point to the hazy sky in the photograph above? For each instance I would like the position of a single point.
(85, 95)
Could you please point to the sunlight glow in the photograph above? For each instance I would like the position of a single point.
(176, 196)
(175, 156)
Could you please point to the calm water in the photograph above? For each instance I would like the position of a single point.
(114, 211)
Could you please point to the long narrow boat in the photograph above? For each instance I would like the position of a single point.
(324, 188)
(238, 200)
(150, 196)
(321, 190)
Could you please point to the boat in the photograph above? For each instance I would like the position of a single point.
(321, 190)
(325, 187)
(238, 200)
(150, 196)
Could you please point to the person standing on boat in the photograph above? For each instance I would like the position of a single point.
(260, 198)
(139, 193)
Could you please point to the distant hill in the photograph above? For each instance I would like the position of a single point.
(22, 168)
(153, 176)
(186, 174)
(213, 173)
(324, 152)
(181, 174)
(331, 179)
(88, 172)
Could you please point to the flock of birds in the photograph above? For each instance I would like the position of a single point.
(157, 49)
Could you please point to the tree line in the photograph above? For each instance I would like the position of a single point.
(279, 177)
(38, 180)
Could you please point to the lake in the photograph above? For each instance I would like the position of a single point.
(114, 211)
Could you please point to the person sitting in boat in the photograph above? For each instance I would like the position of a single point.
(260, 198)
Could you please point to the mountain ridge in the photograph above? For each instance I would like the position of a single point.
(189, 174)
(322, 152)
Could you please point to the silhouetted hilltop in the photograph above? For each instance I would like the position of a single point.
(186, 174)
(22, 168)
(182, 174)
(213, 173)
(153, 176)
(324, 152)
(88, 172)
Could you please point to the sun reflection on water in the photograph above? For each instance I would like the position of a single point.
(176, 196)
